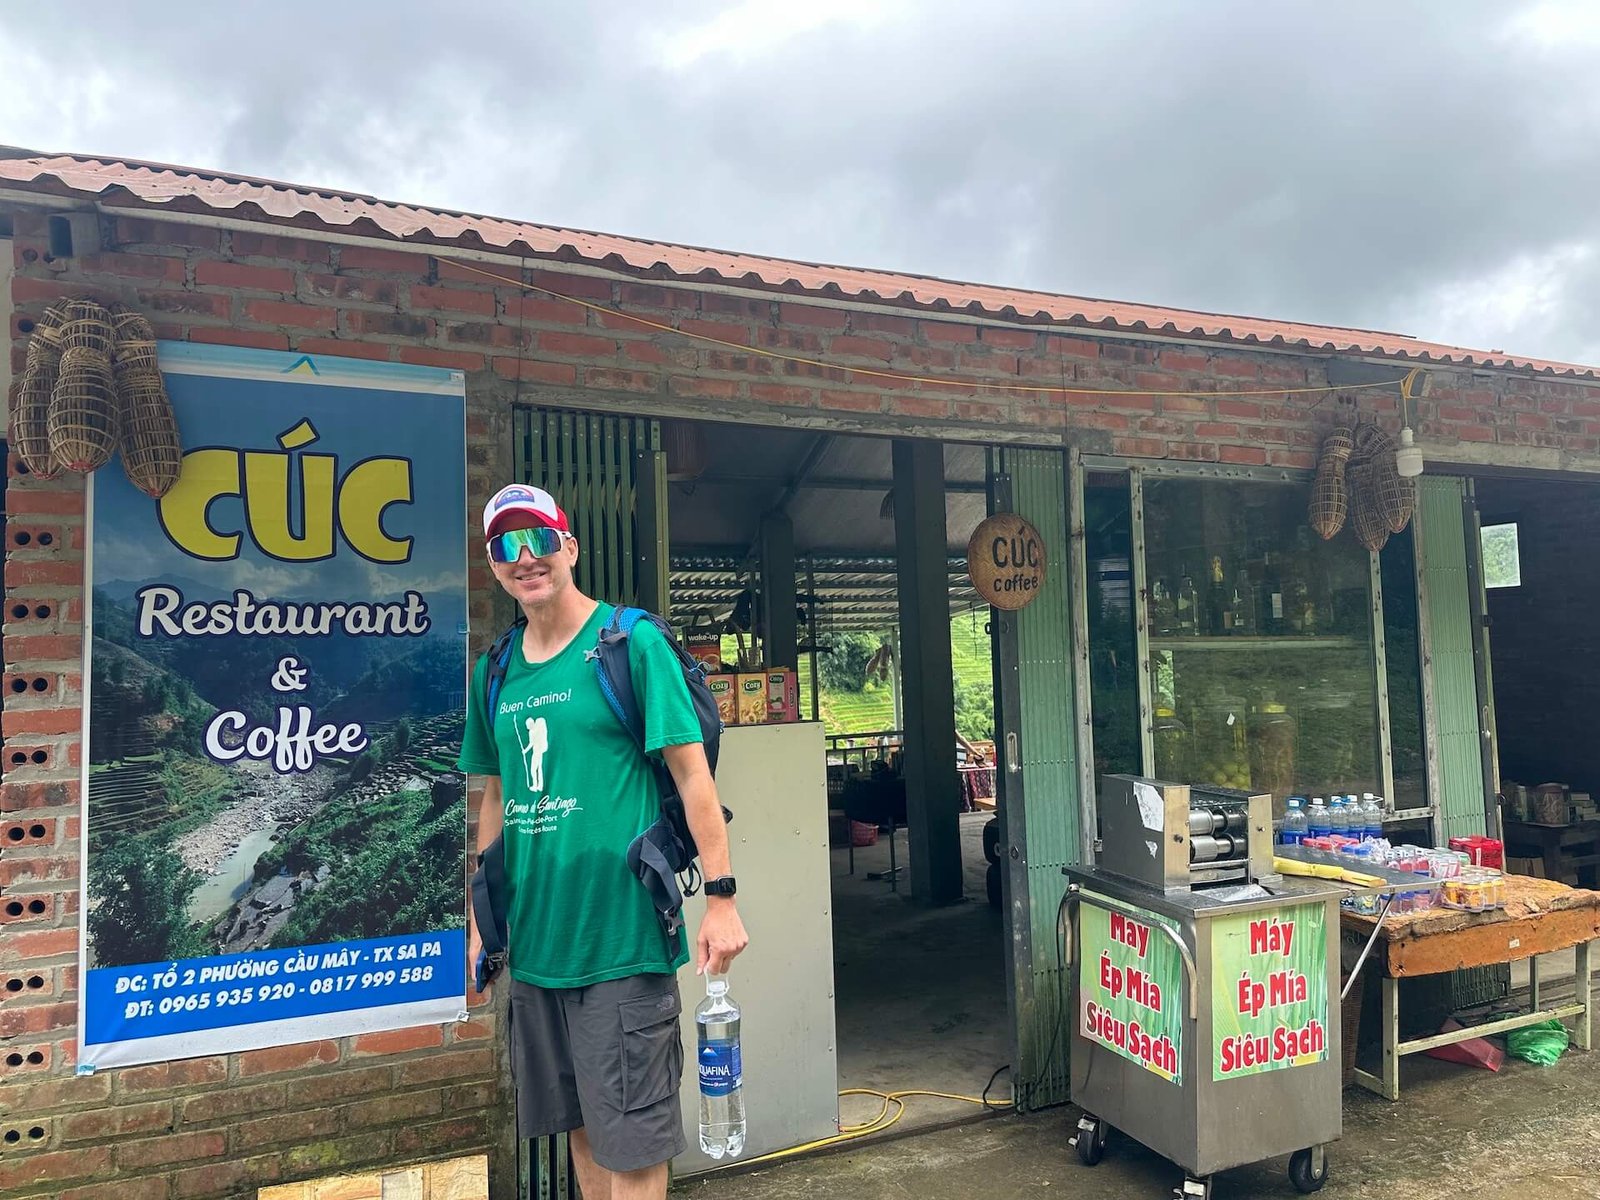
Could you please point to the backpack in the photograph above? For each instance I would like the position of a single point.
(663, 856)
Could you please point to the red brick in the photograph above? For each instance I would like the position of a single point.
(590, 287)
(289, 1127)
(241, 275)
(166, 233)
(223, 1104)
(1135, 401)
(1215, 429)
(134, 266)
(478, 1061)
(620, 381)
(1116, 422)
(1179, 360)
(1009, 339)
(487, 333)
(46, 291)
(188, 304)
(1250, 410)
(391, 1110)
(644, 295)
(467, 1131)
(749, 310)
(651, 354)
(228, 335)
(1193, 451)
(60, 1166)
(452, 360)
(1139, 447)
(371, 1146)
(390, 324)
(777, 393)
(44, 500)
(1236, 368)
(939, 332)
(248, 244)
(720, 331)
(285, 312)
(581, 345)
(464, 1031)
(1071, 347)
(1249, 455)
(545, 310)
(357, 289)
(920, 406)
(453, 299)
(287, 1058)
(860, 347)
(15, 870)
(159, 1077)
(344, 348)
(41, 721)
(213, 1179)
(813, 317)
(1298, 459)
(325, 1087)
(398, 1041)
(16, 1020)
(120, 1121)
(532, 371)
(367, 258)
(40, 943)
(1185, 404)
(1474, 433)
(704, 389)
(22, 572)
(173, 1148)
(151, 1187)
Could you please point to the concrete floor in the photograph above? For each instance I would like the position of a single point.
(919, 992)
(1456, 1133)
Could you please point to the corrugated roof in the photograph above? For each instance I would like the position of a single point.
(123, 183)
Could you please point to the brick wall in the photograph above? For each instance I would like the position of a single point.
(216, 1126)
(1546, 657)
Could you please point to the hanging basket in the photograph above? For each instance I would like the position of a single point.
(30, 413)
(87, 327)
(151, 455)
(133, 339)
(47, 330)
(1329, 506)
(1366, 518)
(85, 418)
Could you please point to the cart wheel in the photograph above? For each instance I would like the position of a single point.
(1193, 1189)
(1091, 1140)
(991, 839)
(1308, 1169)
(992, 885)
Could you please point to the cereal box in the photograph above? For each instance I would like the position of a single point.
(752, 699)
(722, 688)
(783, 695)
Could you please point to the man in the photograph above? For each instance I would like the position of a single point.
(594, 1005)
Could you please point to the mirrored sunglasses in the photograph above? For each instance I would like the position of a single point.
(541, 543)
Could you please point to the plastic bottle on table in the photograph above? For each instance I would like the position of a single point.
(722, 1126)
(1295, 825)
(1317, 818)
(1338, 818)
(1372, 807)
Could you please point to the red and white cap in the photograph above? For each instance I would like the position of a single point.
(524, 501)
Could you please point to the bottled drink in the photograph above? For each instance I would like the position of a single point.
(1219, 616)
(1373, 808)
(1272, 612)
(1295, 825)
(1317, 819)
(721, 1083)
(1339, 818)
(1188, 605)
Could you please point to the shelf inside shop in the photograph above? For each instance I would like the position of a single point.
(1286, 642)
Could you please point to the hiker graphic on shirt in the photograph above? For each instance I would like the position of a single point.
(534, 748)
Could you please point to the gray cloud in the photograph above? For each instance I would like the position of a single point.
(1420, 167)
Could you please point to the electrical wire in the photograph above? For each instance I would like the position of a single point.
(892, 1106)
(901, 377)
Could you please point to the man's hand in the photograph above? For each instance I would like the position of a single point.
(721, 938)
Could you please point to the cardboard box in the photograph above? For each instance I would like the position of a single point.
(723, 689)
(708, 651)
(783, 695)
(752, 698)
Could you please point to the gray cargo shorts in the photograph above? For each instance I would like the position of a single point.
(607, 1057)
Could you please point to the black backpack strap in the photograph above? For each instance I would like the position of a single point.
(499, 663)
(650, 858)
(489, 912)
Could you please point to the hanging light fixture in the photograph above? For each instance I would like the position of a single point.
(1408, 456)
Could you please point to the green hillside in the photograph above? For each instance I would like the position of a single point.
(869, 708)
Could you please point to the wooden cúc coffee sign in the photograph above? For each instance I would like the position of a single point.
(1006, 561)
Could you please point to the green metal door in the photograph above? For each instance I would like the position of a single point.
(608, 473)
(1041, 826)
(1456, 716)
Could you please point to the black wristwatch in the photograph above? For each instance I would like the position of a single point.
(723, 885)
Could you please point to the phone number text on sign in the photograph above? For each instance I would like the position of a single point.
(165, 998)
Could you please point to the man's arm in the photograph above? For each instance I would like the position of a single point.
(491, 818)
(722, 934)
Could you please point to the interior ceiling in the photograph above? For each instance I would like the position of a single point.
(832, 486)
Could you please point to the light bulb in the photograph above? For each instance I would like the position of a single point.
(1408, 459)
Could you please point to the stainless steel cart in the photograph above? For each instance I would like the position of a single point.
(1204, 987)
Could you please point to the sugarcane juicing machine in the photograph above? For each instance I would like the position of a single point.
(1205, 1021)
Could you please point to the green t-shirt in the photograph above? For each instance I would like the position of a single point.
(577, 792)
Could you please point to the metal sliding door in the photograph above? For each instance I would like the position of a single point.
(608, 473)
(1041, 818)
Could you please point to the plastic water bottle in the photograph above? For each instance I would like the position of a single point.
(1294, 823)
(1338, 818)
(721, 1081)
(1317, 819)
(1373, 808)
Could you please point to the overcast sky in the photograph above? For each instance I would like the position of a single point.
(1425, 167)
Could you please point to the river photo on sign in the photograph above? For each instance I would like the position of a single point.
(276, 676)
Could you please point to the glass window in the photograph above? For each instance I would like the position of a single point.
(1502, 560)
(1113, 653)
(1403, 656)
(1263, 675)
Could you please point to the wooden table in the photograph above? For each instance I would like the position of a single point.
(1541, 916)
(1553, 844)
